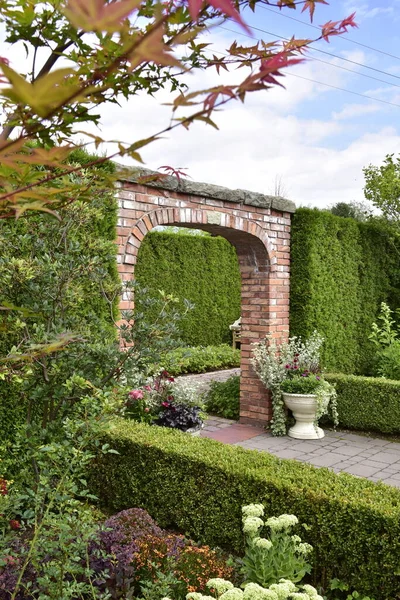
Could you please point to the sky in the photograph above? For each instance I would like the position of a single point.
(309, 140)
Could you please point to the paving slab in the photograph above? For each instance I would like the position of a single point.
(373, 458)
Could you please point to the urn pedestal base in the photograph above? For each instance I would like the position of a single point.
(304, 408)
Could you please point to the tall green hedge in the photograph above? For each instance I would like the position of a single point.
(202, 269)
(199, 486)
(341, 271)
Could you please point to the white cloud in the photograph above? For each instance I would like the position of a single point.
(365, 11)
(263, 138)
(351, 111)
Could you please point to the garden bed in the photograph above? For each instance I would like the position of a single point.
(199, 486)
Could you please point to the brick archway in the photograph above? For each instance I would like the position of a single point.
(259, 228)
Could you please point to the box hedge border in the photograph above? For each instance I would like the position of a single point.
(367, 403)
(199, 486)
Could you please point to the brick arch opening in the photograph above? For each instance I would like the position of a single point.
(260, 235)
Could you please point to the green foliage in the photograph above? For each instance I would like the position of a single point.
(223, 399)
(385, 337)
(382, 186)
(341, 592)
(354, 210)
(201, 359)
(199, 486)
(63, 273)
(49, 524)
(200, 268)
(367, 403)
(341, 271)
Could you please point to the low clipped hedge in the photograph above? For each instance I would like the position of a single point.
(368, 403)
(200, 485)
(201, 359)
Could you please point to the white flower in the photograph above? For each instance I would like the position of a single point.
(194, 596)
(283, 588)
(282, 522)
(311, 591)
(252, 524)
(219, 585)
(299, 596)
(296, 538)
(304, 548)
(262, 543)
(253, 510)
(253, 591)
(233, 594)
(288, 583)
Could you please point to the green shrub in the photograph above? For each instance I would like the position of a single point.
(223, 398)
(201, 359)
(341, 271)
(367, 403)
(202, 269)
(200, 485)
(64, 276)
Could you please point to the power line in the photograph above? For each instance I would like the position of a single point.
(346, 69)
(315, 50)
(332, 86)
(345, 90)
(342, 37)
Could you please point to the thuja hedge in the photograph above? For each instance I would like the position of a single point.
(368, 403)
(199, 486)
(341, 271)
(202, 269)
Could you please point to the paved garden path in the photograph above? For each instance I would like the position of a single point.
(203, 380)
(373, 458)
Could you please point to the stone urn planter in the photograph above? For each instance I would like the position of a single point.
(304, 409)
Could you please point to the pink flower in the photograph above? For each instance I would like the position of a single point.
(165, 404)
(171, 378)
(15, 524)
(136, 394)
(147, 388)
(146, 410)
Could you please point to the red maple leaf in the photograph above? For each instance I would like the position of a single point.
(337, 27)
(270, 68)
(225, 6)
(310, 6)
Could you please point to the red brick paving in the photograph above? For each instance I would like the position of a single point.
(233, 434)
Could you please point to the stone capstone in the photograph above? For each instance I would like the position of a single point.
(206, 190)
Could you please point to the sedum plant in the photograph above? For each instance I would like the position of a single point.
(282, 555)
(284, 589)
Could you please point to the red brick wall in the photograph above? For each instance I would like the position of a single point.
(261, 236)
